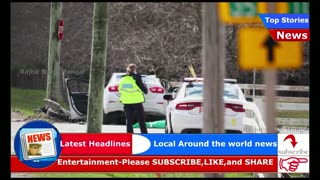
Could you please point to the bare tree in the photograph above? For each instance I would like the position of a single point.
(164, 38)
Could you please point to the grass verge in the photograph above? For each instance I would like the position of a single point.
(27, 100)
(293, 114)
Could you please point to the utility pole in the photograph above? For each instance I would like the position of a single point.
(98, 67)
(213, 69)
(270, 78)
(54, 81)
(254, 84)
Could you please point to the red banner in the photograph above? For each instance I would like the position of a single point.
(154, 164)
(97, 144)
(290, 34)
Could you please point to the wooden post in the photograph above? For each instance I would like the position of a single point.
(213, 69)
(98, 66)
(254, 84)
(54, 83)
(270, 78)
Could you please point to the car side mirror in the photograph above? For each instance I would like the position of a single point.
(168, 97)
(249, 99)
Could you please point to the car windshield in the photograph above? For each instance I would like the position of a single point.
(196, 90)
(230, 91)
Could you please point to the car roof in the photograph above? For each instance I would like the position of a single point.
(122, 73)
(117, 76)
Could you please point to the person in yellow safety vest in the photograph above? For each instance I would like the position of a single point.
(132, 92)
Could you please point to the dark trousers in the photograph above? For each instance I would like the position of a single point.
(132, 111)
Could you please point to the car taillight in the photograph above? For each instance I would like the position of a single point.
(188, 105)
(235, 107)
(113, 88)
(157, 90)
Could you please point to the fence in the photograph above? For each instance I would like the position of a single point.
(284, 103)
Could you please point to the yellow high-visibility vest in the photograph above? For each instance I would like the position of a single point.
(130, 93)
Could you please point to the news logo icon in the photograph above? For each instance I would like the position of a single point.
(37, 144)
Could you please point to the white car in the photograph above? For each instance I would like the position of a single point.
(184, 112)
(154, 105)
(113, 112)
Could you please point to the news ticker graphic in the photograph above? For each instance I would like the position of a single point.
(287, 27)
(169, 144)
(82, 152)
(155, 164)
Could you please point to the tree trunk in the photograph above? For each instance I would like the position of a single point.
(213, 41)
(98, 66)
(54, 73)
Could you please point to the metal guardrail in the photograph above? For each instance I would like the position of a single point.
(278, 87)
(293, 122)
(283, 103)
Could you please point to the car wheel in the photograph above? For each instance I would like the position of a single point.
(105, 119)
(111, 118)
(122, 118)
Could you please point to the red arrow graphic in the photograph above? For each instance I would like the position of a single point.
(293, 139)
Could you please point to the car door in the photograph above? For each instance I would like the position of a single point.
(77, 90)
(166, 85)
